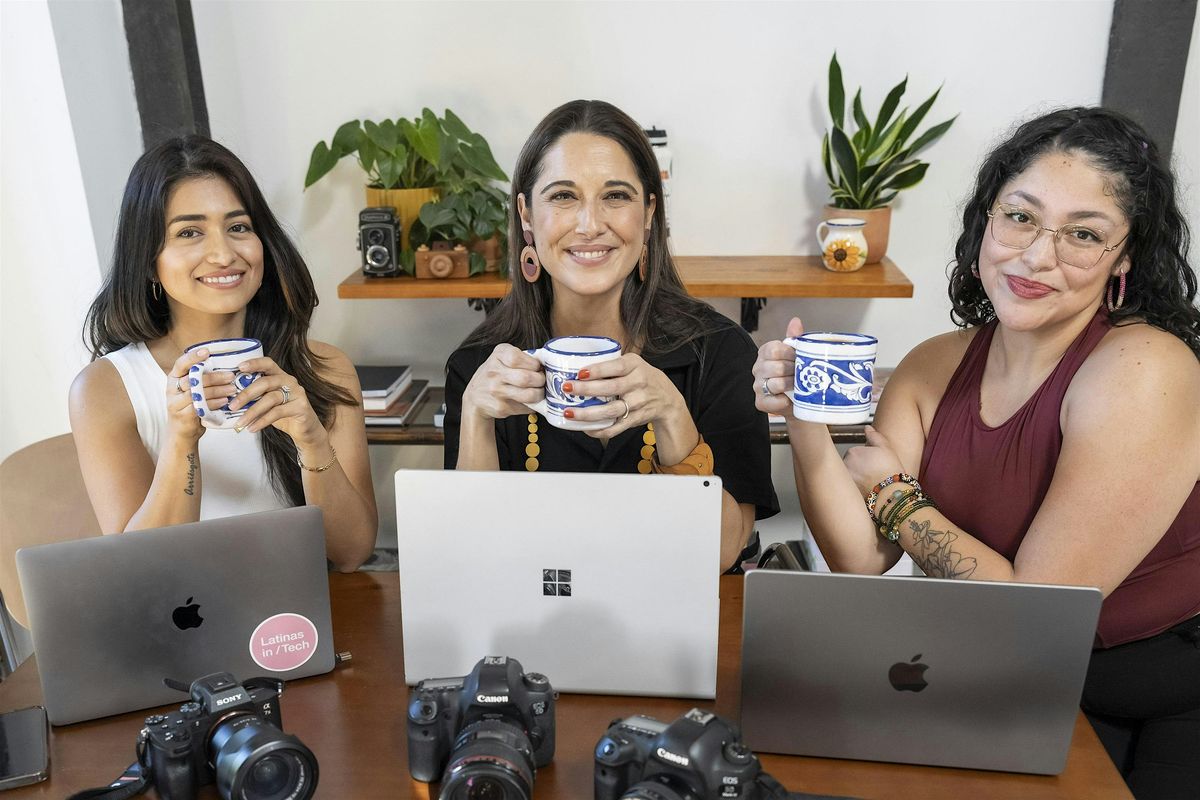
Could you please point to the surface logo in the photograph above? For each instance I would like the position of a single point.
(187, 616)
(556, 582)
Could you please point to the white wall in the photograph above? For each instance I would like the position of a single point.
(48, 264)
(1185, 153)
(739, 86)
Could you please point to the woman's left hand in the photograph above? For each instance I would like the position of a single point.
(642, 393)
(289, 410)
(870, 464)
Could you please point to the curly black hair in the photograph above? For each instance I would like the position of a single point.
(1161, 285)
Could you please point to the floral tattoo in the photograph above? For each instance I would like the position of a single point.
(932, 552)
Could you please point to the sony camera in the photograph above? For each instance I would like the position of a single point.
(485, 734)
(379, 241)
(229, 734)
(697, 757)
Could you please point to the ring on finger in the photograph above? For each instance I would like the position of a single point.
(626, 414)
(766, 390)
(179, 386)
(287, 393)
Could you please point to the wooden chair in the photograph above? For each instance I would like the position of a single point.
(42, 500)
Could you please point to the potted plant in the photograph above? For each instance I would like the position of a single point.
(473, 217)
(410, 162)
(867, 167)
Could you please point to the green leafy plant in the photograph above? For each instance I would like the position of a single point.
(478, 212)
(423, 152)
(870, 166)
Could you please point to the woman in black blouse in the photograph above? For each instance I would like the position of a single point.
(589, 236)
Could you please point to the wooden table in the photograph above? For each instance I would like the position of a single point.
(704, 276)
(353, 719)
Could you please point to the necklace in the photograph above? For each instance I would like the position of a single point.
(532, 449)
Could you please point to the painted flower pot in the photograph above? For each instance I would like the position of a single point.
(843, 246)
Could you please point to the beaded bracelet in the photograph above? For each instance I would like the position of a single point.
(322, 468)
(698, 462)
(892, 531)
(902, 477)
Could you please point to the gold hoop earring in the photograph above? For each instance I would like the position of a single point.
(531, 267)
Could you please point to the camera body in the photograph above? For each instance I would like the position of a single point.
(231, 727)
(497, 689)
(699, 755)
(379, 241)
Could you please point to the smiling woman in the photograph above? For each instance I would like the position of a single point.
(200, 258)
(589, 233)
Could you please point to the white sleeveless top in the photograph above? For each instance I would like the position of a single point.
(234, 476)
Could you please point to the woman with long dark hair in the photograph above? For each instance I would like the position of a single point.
(1055, 438)
(588, 251)
(200, 257)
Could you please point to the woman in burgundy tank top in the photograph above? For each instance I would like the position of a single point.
(1056, 438)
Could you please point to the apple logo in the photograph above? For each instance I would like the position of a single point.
(908, 677)
(187, 616)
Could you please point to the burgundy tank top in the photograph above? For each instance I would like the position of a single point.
(1015, 461)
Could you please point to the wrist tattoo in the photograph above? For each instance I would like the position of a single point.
(191, 476)
(933, 552)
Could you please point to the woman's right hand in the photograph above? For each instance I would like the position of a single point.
(503, 384)
(182, 422)
(775, 368)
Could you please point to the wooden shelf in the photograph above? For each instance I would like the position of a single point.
(705, 276)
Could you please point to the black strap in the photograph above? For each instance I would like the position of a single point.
(131, 783)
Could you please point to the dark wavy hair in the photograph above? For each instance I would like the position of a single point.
(658, 313)
(126, 311)
(1161, 286)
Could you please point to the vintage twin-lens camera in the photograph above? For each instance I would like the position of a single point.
(697, 757)
(379, 241)
(485, 733)
(230, 734)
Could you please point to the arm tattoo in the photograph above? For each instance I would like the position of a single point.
(191, 478)
(931, 551)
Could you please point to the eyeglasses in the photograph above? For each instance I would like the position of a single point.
(1077, 245)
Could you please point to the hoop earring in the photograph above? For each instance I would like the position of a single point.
(1108, 300)
(156, 290)
(531, 267)
(975, 269)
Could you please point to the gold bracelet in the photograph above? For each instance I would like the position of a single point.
(332, 461)
(698, 462)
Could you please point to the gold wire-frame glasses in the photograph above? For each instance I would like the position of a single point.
(1074, 244)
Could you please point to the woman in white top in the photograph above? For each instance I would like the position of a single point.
(199, 256)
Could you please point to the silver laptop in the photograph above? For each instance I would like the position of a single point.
(604, 583)
(112, 616)
(915, 670)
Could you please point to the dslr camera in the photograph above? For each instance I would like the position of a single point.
(485, 734)
(229, 734)
(379, 241)
(697, 757)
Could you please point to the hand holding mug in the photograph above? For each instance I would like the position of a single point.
(276, 399)
(564, 359)
(635, 393)
(774, 372)
(182, 420)
(505, 385)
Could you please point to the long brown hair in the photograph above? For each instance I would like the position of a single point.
(658, 313)
(126, 311)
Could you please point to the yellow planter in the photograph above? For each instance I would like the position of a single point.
(406, 202)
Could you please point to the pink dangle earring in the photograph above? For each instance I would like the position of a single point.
(1108, 300)
(531, 267)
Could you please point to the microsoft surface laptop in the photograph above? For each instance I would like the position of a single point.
(604, 583)
(112, 616)
(914, 670)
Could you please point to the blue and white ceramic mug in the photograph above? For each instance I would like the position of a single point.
(223, 356)
(562, 358)
(834, 373)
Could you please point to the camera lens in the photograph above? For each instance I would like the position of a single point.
(492, 760)
(254, 760)
(662, 789)
(377, 256)
(374, 236)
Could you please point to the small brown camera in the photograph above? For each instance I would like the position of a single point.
(440, 260)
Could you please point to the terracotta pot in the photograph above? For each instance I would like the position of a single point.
(879, 223)
(490, 250)
(407, 203)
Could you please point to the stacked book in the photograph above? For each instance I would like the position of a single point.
(390, 394)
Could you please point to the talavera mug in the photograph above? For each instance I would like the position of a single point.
(223, 356)
(834, 373)
(562, 358)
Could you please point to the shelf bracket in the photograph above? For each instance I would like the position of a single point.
(484, 304)
(750, 308)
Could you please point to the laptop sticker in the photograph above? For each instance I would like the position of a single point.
(283, 642)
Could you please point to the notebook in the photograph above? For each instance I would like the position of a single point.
(604, 583)
(112, 616)
(915, 670)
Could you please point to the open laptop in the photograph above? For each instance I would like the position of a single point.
(603, 583)
(914, 670)
(112, 616)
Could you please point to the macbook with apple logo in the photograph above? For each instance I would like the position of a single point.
(112, 616)
(974, 674)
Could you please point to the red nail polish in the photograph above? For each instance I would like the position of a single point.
(584, 374)
(568, 387)
(569, 413)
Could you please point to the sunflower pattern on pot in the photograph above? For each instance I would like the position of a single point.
(843, 246)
